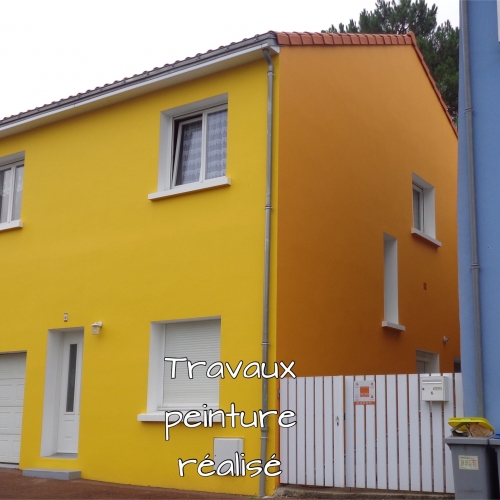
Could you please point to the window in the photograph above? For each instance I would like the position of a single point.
(193, 148)
(196, 340)
(424, 217)
(200, 147)
(418, 207)
(11, 190)
(391, 308)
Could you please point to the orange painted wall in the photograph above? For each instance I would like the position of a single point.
(355, 122)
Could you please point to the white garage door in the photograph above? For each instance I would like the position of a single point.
(12, 375)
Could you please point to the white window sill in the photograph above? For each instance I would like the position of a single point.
(159, 416)
(430, 239)
(393, 326)
(189, 188)
(15, 224)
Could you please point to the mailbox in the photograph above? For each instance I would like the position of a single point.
(434, 388)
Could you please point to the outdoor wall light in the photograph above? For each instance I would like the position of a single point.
(96, 327)
(445, 340)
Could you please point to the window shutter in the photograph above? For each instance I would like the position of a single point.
(197, 341)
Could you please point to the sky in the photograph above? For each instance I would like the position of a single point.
(51, 49)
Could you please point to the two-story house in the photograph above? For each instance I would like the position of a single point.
(287, 198)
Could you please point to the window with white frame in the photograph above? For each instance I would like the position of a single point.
(11, 190)
(193, 147)
(200, 145)
(424, 214)
(198, 341)
(418, 207)
(391, 302)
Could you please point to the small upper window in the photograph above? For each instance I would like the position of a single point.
(424, 216)
(193, 147)
(200, 147)
(418, 207)
(11, 192)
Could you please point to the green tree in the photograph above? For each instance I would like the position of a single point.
(438, 44)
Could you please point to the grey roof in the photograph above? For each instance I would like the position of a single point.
(142, 78)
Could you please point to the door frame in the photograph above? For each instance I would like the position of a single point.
(52, 390)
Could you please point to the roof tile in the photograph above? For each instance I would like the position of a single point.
(327, 40)
(307, 39)
(295, 38)
(282, 38)
(336, 38)
(317, 38)
(346, 39)
(363, 39)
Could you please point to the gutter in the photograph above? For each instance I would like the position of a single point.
(472, 210)
(267, 263)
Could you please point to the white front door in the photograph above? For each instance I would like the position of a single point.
(69, 401)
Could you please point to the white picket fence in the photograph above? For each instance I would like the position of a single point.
(395, 444)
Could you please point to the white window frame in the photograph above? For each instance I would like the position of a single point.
(391, 305)
(11, 162)
(155, 411)
(167, 160)
(420, 193)
(427, 207)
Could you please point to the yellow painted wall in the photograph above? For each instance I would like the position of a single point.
(355, 122)
(94, 246)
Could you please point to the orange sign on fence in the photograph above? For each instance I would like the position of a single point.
(364, 392)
